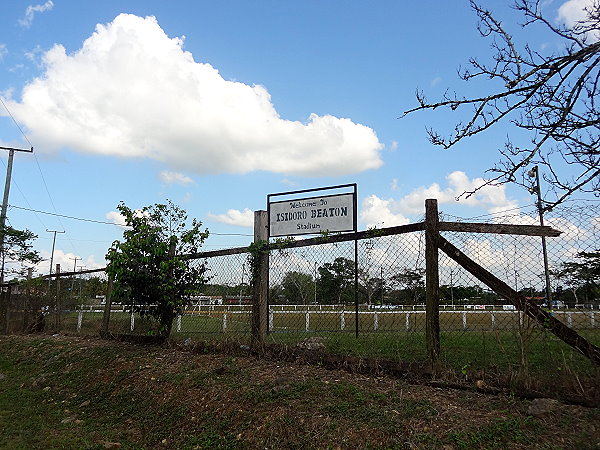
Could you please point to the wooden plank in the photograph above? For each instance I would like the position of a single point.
(498, 228)
(432, 283)
(541, 316)
(222, 252)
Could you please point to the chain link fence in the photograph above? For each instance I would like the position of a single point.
(313, 292)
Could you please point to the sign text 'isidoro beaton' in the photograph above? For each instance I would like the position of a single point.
(328, 213)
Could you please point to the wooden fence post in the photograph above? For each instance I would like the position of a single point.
(58, 299)
(260, 313)
(107, 306)
(432, 283)
(4, 308)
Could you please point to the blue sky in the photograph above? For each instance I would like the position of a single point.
(214, 105)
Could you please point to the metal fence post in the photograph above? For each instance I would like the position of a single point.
(260, 304)
(432, 283)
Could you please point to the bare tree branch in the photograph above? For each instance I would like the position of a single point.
(553, 96)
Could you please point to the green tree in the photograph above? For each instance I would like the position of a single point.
(150, 269)
(371, 288)
(335, 281)
(298, 288)
(582, 278)
(411, 281)
(92, 287)
(17, 252)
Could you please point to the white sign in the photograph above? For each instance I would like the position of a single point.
(329, 213)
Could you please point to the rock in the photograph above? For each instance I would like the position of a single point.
(480, 384)
(312, 343)
(84, 404)
(68, 419)
(542, 406)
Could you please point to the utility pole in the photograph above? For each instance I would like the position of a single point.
(11, 155)
(53, 242)
(534, 173)
(80, 280)
(74, 270)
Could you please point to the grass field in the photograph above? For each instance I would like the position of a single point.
(472, 342)
(292, 320)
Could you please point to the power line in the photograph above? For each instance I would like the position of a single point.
(23, 195)
(15, 122)
(52, 202)
(109, 223)
(63, 215)
(39, 168)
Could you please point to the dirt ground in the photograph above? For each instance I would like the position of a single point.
(107, 394)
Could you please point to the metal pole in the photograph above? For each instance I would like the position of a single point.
(315, 275)
(451, 289)
(382, 287)
(356, 285)
(242, 283)
(535, 173)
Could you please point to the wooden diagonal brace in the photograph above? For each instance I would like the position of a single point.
(541, 316)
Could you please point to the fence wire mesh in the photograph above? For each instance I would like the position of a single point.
(312, 293)
(482, 329)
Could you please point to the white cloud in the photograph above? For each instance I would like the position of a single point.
(377, 212)
(235, 217)
(289, 182)
(3, 51)
(436, 81)
(30, 12)
(390, 212)
(174, 177)
(575, 12)
(66, 261)
(35, 55)
(493, 198)
(116, 218)
(132, 91)
(394, 145)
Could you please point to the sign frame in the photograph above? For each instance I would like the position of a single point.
(353, 193)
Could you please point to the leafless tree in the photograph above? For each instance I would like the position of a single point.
(551, 96)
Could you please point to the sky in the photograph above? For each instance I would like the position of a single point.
(215, 105)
